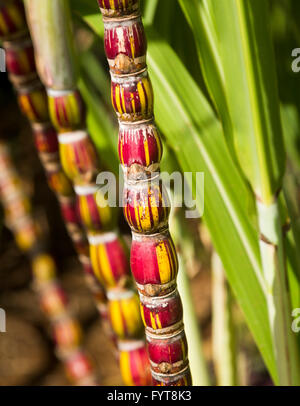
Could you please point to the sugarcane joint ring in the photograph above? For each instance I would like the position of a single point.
(131, 345)
(18, 44)
(174, 335)
(137, 124)
(152, 177)
(168, 368)
(107, 21)
(164, 331)
(129, 77)
(30, 87)
(151, 289)
(171, 377)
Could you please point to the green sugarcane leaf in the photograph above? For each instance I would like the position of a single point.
(199, 17)
(245, 49)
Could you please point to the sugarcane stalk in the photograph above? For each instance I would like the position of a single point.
(51, 30)
(66, 330)
(223, 331)
(33, 103)
(154, 261)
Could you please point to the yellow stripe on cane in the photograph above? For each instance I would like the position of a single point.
(105, 266)
(118, 99)
(116, 318)
(163, 263)
(147, 155)
(142, 97)
(149, 93)
(125, 368)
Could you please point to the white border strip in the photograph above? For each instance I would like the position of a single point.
(130, 345)
(115, 294)
(85, 190)
(74, 136)
(97, 239)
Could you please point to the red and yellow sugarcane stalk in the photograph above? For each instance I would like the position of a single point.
(51, 31)
(33, 102)
(153, 258)
(66, 331)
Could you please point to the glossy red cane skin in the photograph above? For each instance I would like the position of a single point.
(153, 259)
(13, 20)
(45, 139)
(161, 313)
(139, 145)
(132, 97)
(168, 350)
(125, 46)
(120, 7)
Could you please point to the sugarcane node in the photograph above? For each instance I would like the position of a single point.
(122, 18)
(265, 240)
(46, 157)
(167, 368)
(21, 80)
(118, 7)
(130, 345)
(152, 289)
(286, 227)
(180, 378)
(136, 171)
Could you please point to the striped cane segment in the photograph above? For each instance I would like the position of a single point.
(146, 205)
(109, 262)
(53, 301)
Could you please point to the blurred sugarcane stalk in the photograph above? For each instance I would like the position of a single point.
(223, 329)
(19, 217)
